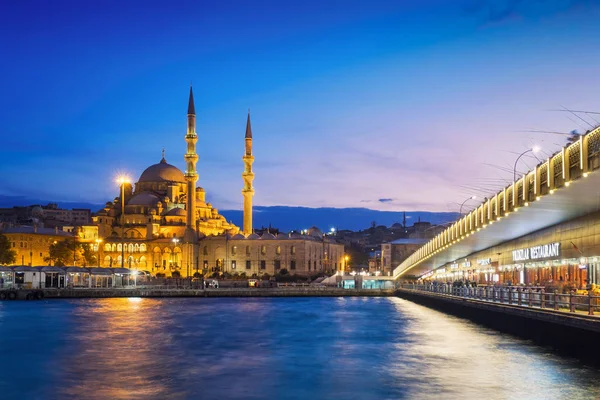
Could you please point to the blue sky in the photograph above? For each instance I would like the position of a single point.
(390, 105)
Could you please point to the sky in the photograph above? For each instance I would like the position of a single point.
(388, 105)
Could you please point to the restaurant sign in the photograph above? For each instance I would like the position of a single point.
(537, 252)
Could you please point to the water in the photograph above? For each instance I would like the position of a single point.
(280, 348)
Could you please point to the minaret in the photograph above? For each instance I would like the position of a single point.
(191, 176)
(248, 177)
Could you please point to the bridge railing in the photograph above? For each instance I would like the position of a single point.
(528, 296)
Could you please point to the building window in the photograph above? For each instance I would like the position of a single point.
(263, 264)
(309, 265)
(248, 264)
(233, 250)
(205, 264)
(315, 265)
(233, 264)
(293, 264)
(205, 251)
(278, 250)
(293, 250)
(277, 264)
(263, 250)
(247, 250)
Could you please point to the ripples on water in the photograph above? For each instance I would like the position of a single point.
(280, 348)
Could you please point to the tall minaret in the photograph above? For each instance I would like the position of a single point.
(248, 177)
(191, 176)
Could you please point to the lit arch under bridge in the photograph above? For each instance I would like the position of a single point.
(563, 187)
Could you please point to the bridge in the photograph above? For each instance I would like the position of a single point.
(562, 188)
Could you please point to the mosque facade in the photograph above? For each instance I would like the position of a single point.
(162, 224)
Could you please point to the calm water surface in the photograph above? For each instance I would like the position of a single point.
(283, 348)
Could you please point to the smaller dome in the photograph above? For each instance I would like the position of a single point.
(239, 236)
(296, 235)
(267, 236)
(143, 199)
(199, 189)
(176, 212)
(253, 236)
(282, 236)
(314, 231)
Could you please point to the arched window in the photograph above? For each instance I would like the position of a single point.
(247, 250)
(233, 250)
(119, 247)
(142, 248)
(293, 250)
(136, 248)
(263, 250)
(278, 250)
(114, 247)
(205, 250)
(130, 248)
(107, 247)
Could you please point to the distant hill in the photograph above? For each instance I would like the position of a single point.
(287, 218)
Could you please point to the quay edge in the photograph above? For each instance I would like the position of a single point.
(568, 334)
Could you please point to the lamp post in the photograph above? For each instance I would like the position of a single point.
(175, 241)
(98, 241)
(463, 203)
(534, 150)
(122, 180)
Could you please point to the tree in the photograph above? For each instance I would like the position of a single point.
(70, 252)
(7, 254)
(87, 255)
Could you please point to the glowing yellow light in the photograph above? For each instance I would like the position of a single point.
(567, 184)
(122, 179)
(552, 191)
(537, 198)
(585, 174)
(526, 204)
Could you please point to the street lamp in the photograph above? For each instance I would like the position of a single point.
(175, 241)
(534, 150)
(122, 180)
(98, 241)
(463, 203)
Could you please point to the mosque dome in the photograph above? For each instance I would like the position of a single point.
(315, 232)
(176, 212)
(144, 199)
(239, 236)
(162, 172)
(267, 235)
(253, 236)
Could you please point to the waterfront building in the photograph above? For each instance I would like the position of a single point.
(163, 224)
(32, 244)
(393, 253)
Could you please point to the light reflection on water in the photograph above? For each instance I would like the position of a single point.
(294, 348)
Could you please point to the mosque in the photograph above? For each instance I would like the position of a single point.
(164, 225)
